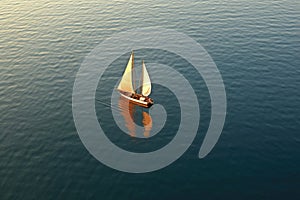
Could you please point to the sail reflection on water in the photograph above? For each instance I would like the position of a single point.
(127, 110)
(147, 122)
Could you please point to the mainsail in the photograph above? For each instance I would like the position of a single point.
(146, 83)
(126, 81)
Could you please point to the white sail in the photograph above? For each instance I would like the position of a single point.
(125, 84)
(146, 82)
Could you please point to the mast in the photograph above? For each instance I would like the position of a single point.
(133, 72)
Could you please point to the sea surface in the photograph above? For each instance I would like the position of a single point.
(256, 47)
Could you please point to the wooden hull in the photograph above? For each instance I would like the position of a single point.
(144, 103)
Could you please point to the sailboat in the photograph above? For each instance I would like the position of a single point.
(127, 89)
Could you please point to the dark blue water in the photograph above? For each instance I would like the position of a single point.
(256, 46)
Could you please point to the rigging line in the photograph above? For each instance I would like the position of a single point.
(111, 106)
(108, 105)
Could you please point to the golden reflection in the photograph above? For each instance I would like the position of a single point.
(147, 122)
(127, 110)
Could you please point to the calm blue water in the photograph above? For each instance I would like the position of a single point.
(256, 46)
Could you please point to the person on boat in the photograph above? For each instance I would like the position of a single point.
(135, 96)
